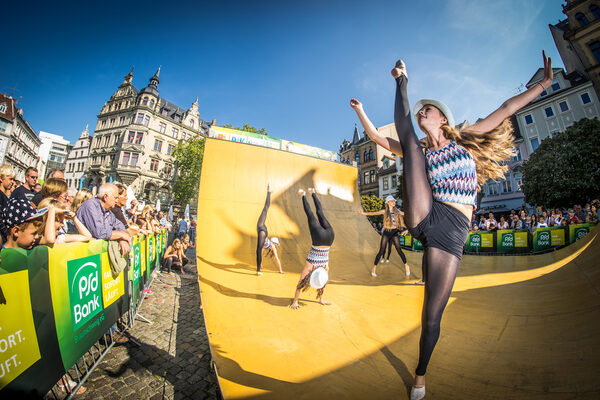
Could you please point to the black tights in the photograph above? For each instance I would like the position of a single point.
(389, 249)
(439, 267)
(388, 237)
(321, 232)
(261, 231)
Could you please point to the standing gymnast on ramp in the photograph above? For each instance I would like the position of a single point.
(440, 184)
(264, 243)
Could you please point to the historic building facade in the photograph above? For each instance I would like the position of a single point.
(577, 39)
(19, 144)
(77, 160)
(136, 133)
(367, 156)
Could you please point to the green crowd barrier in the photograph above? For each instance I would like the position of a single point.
(514, 241)
(56, 302)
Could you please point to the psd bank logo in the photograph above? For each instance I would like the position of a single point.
(476, 241)
(508, 240)
(543, 238)
(85, 289)
(580, 233)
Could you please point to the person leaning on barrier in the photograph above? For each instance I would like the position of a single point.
(100, 221)
(55, 173)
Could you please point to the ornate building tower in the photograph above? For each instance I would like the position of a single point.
(135, 135)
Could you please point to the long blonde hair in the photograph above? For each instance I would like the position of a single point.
(488, 150)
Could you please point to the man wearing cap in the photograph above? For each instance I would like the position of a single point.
(23, 224)
(101, 222)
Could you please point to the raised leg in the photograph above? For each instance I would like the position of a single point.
(416, 192)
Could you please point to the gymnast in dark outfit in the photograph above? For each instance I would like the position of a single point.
(440, 184)
(393, 225)
(264, 243)
(321, 234)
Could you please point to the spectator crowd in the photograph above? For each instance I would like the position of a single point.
(538, 218)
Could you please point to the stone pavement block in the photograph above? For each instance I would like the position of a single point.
(173, 361)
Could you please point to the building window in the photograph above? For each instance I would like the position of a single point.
(145, 101)
(164, 112)
(555, 85)
(585, 98)
(154, 165)
(372, 176)
(192, 123)
(563, 106)
(157, 145)
(519, 181)
(3, 108)
(506, 185)
(371, 155)
(139, 119)
(176, 118)
(131, 137)
(162, 127)
(394, 181)
(544, 93)
(175, 133)
(583, 21)
(493, 189)
(366, 181)
(112, 122)
(517, 157)
(168, 169)
(125, 160)
(134, 159)
(595, 48)
(106, 140)
(365, 156)
(3, 126)
(146, 120)
(103, 123)
(528, 119)
(139, 137)
(549, 112)
(595, 10)
(121, 120)
(554, 133)
(170, 149)
(151, 103)
(535, 143)
(385, 183)
(357, 158)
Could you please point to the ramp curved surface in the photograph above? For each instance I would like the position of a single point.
(515, 327)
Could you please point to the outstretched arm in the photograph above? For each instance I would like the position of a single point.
(514, 104)
(362, 212)
(385, 142)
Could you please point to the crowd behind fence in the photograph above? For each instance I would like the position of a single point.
(58, 306)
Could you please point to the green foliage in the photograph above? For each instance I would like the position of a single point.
(372, 203)
(565, 170)
(247, 128)
(188, 163)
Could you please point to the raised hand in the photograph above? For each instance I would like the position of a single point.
(355, 104)
(548, 73)
(301, 192)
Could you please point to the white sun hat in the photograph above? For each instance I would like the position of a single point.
(390, 198)
(439, 105)
(275, 240)
(319, 278)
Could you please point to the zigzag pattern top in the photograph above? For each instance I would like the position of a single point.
(452, 174)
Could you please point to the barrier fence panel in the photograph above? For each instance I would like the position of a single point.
(58, 302)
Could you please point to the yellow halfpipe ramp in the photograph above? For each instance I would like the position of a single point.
(515, 327)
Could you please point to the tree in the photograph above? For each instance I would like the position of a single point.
(565, 169)
(372, 203)
(247, 128)
(188, 163)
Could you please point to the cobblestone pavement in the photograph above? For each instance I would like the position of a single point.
(173, 361)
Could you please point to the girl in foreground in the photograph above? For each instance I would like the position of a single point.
(392, 225)
(264, 243)
(321, 234)
(440, 184)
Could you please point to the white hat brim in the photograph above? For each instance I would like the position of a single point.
(439, 105)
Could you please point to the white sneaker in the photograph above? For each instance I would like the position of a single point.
(373, 274)
(259, 273)
(387, 260)
(382, 261)
(417, 393)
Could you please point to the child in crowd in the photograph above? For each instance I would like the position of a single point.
(54, 224)
(23, 223)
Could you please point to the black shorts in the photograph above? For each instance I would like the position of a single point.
(445, 228)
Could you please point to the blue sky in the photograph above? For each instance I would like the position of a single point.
(288, 67)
